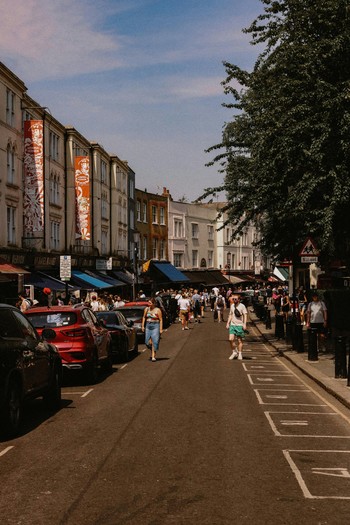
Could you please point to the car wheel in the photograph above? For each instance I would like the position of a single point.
(108, 362)
(13, 409)
(52, 398)
(125, 351)
(91, 372)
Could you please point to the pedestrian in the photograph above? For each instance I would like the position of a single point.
(95, 304)
(285, 305)
(317, 316)
(196, 306)
(302, 301)
(185, 308)
(237, 324)
(23, 303)
(152, 325)
(219, 307)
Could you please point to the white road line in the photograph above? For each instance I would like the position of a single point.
(87, 393)
(346, 418)
(72, 393)
(122, 367)
(5, 451)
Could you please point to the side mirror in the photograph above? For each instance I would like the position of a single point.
(48, 334)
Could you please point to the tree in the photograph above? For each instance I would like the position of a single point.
(286, 152)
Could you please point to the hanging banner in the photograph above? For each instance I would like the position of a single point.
(82, 193)
(33, 199)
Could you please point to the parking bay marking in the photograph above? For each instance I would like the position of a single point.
(6, 450)
(334, 487)
(301, 422)
(81, 394)
(264, 396)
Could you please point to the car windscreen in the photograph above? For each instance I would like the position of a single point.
(52, 319)
(132, 313)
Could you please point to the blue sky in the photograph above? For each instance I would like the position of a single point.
(140, 77)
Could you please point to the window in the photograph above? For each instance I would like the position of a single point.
(195, 258)
(104, 236)
(194, 230)
(228, 236)
(155, 248)
(210, 258)
(54, 188)
(154, 215)
(233, 261)
(178, 260)
(178, 228)
(161, 215)
(245, 262)
(228, 259)
(132, 219)
(54, 140)
(145, 257)
(131, 189)
(138, 211)
(10, 165)
(245, 239)
(144, 206)
(103, 172)
(210, 233)
(10, 107)
(162, 249)
(104, 205)
(55, 235)
(11, 225)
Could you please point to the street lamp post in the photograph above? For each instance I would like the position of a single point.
(136, 264)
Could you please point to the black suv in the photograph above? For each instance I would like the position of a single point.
(29, 367)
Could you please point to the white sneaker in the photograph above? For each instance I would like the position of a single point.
(234, 355)
(240, 357)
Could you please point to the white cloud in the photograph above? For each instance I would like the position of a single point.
(56, 38)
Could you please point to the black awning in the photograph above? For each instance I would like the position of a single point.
(106, 278)
(41, 280)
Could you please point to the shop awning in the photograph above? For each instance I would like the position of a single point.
(87, 282)
(7, 268)
(41, 280)
(281, 272)
(170, 272)
(125, 277)
(106, 278)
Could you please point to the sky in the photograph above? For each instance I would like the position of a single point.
(140, 77)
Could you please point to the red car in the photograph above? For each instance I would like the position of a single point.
(82, 340)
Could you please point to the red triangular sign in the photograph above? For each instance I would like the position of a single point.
(309, 249)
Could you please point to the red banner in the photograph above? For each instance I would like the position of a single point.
(82, 194)
(33, 203)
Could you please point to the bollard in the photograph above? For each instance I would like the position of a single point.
(279, 327)
(289, 329)
(268, 319)
(340, 357)
(298, 339)
(312, 349)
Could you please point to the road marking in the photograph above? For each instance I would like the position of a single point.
(122, 367)
(87, 393)
(277, 397)
(340, 472)
(284, 422)
(5, 451)
(294, 423)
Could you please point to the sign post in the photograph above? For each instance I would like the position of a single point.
(66, 271)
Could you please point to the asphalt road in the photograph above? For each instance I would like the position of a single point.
(191, 439)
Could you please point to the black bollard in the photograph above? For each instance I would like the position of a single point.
(289, 329)
(279, 327)
(298, 339)
(312, 350)
(340, 357)
(268, 319)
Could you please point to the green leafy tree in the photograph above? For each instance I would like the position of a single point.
(285, 154)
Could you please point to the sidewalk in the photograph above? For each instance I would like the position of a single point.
(321, 371)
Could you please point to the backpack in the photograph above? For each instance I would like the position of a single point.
(220, 302)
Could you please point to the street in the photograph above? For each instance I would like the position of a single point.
(193, 438)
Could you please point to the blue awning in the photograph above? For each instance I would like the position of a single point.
(87, 282)
(106, 278)
(170, 272)
(41, 280)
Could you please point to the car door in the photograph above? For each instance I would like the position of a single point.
(129, 332)
(99, 333)
(35, 353)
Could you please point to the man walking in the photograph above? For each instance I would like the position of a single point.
(236, 324)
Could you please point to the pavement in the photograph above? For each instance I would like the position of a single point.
(321, 371)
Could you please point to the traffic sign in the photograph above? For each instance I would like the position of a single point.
(309, 249)
(65, 267)
(309, 259)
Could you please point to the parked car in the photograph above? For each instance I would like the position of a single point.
(134, 312)
(82, 340)
(122, 332)
(30, 367)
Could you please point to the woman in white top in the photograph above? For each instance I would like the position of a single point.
(184, 307)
